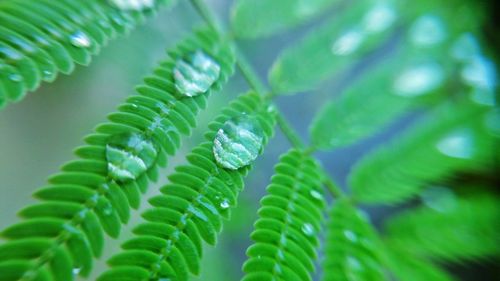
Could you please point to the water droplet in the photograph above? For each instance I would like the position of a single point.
(307, 229)
(458, 144)
(79, 39)
(465, 47)
(136, 5)
(379, 18)
(351, 236)
(316, 195)
(224, 204)
(439, 198)
(238, 142)
(427, 30)
(196, 74)
(348, 43)
(47, 73)
(134, 105)
(108, 209)
(76, 270)
(129, 155)
(480, 73)
(280, 254)
(15, 77)
(419, 80)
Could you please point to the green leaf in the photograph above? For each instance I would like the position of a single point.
(331, 48)
(191, 207)
(285, 235)
(453, 138)
(41, 38)
(273, 16)
(352, 250)
(453, 229)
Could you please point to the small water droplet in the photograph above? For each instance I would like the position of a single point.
(439, 198)
(129, 155)
(238, 142)
(379, 18)
(316, 195)
(47, 73)
(80, 39)
(224, 204)
(419, 80)
(136, 5)
(348, 43)
(76, 270)
(307, 229)
(108, 209)
(351, 236)
(458, 144)
(195, 74)
(353, 264)
(134, 105)
(15, 77)
(427, 30)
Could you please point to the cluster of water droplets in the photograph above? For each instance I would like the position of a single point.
(195, 74)
(378, 19)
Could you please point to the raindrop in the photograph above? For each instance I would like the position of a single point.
(379, 18)
(129, 155)
(195, 74)
(419, 80)
(351, 236)
(307, 229)
(132, 4)
(458, 144)
(347, 43)
(224, 204)
(427, 30)
(238, 142)
(80, 39)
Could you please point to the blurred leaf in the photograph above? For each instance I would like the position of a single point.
(258, 18)
(461, 228)
(454, 137)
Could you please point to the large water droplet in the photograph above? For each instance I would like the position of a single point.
(80, 39)
(238, 142)
(458, 144)
(195, 74)
(307, 229)
(379, 18)
(427, 30)
(419, 80)
(132, 4)
(129, 155)
(348, 43)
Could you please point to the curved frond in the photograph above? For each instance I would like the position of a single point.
(286, 233)
(41, 38)
(454, 228)
(94, 194)
(453, 138)
(190, 208)
(352, 250)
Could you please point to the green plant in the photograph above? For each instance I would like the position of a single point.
(441, 172)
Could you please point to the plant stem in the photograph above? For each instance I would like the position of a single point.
(256, 83)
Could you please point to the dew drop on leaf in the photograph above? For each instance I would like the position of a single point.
(458, 144)
(238, 142)
(348, 43)
(195, 74)
(379, 18)
(224, 204)
(15, 77)
(316, 195)
(76, 270)
(350, 236)
(307, 229)
(129, 155)
(80, 39)
(419, 80)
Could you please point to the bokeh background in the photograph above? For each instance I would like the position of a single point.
(38, 134)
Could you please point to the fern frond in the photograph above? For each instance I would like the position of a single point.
(286, 233)
(352, 249)
(65, 229)
(453, 138)
(455, 229)
(190, 208)
(40, 38)
(273, 16)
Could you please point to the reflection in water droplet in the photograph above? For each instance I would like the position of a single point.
(129, 155)
(316, 195)
(351, 236)
(439, 198)
(427, 30)
(379, 18)
(307, 229)
(132, 4)
(348, 43)
(419, 80)
(224, 204)
(196, 74)
(465, 47)
(79, 39)
(238, 142)
(458, 144)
